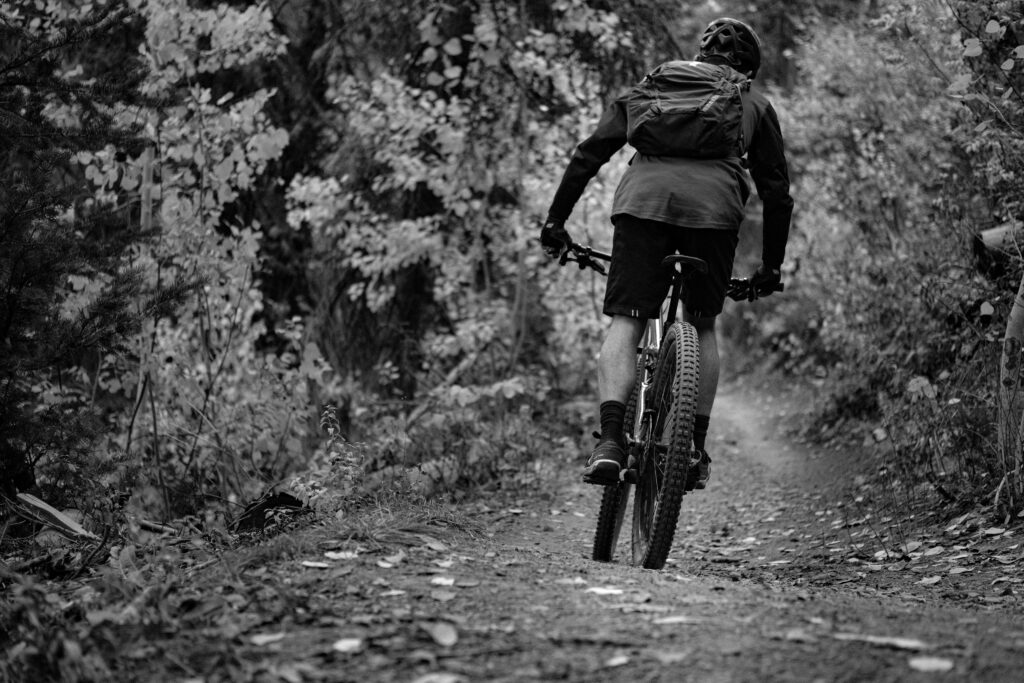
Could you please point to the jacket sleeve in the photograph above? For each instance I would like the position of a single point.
(588, 157)
(770, 172)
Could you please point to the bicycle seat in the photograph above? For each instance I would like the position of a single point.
(687, 264)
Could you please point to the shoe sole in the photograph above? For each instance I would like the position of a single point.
(602, 476)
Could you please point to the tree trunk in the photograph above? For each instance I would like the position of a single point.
(1011, 402)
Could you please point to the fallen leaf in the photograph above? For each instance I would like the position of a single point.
(442, 596)
(677, 619)
(930, 581)
(599, 590)
(394, 593)
(261, 639)
(385, 565)
(443, 581)
(994, 531)
(620, 660)
(931, 664)
(798, 635)
(341, 555)
(433, 544)
(315, 565)
(347, 645)
(575, 581)
(396, 558)
(933, 551)
(885, 641)
(442, 632)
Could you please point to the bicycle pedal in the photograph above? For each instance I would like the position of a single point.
(628, 476)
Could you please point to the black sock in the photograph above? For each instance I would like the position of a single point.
(700, 430)
(613, 413)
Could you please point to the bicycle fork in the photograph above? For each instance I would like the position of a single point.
(643, 419)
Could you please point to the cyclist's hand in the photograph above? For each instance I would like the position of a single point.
(554, 238)
(765, 280)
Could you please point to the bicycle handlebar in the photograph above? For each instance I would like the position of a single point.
(741, 289)
(584, 257)
(738, 289)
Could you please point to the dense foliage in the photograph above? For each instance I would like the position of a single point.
(352, 189)
(905, 132)
(69, 293)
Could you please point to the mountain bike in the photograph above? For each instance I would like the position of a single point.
(658, 426)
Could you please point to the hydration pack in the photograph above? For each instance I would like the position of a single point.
(687, 109)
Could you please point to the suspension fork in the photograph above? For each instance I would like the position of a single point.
(650, 340)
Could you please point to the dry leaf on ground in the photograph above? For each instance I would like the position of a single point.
(442, 632)
(931, 664)
(347, 645)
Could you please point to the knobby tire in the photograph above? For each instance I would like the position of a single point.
(665, 454)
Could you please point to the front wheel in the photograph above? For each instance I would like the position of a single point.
(665, 450)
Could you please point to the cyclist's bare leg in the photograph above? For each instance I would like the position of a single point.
(707, 387)
(616, 366)
(616, 370)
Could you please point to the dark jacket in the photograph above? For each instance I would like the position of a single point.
(693, 193)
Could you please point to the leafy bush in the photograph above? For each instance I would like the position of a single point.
(886, 301)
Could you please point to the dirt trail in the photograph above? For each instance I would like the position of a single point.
(763, 584)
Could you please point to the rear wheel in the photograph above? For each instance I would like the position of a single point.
(664, 457)
(615, 498)
(609, 520)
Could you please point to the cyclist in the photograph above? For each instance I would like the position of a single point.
(667, 204)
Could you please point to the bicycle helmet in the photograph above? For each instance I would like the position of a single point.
(734, 41)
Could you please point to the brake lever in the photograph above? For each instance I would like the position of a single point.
(587, 262)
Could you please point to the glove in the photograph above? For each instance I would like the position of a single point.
(553, 237)
(766, 280)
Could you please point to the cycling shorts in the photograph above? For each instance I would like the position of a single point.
(638, 283)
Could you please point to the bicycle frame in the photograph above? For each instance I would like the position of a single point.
(650, 343)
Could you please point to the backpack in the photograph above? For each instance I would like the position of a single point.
(687, 109)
